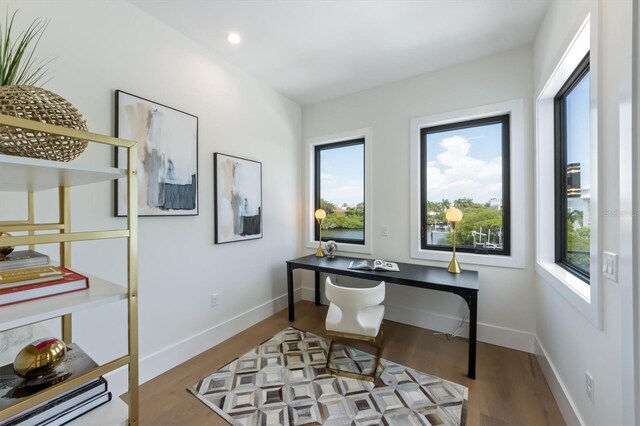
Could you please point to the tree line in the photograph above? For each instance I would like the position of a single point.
(342, 217)
(476, 216)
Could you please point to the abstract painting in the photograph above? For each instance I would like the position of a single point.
(167, 157)
(238, 198)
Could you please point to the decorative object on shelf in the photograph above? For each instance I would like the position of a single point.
(19, 97)
(320, 214)
(330, 248)
(14, 388)
(34, 103)
(454, 216)
(47, 285)
(18, 64)
(167, 157)
(5, 250)
(21, 258)
(237, 198)
(39, 358)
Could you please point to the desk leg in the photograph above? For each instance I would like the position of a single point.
(292, 315)
(473, 325)
(317, 273)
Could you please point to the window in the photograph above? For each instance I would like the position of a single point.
(466, 165)
(340, 190)
(573, 173)
(582, 291)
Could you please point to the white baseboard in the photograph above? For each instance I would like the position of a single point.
(488, 333)
(161, 361)
(560, 393)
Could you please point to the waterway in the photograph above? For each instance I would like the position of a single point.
(350, 234)
(436, 237)
(433, 236)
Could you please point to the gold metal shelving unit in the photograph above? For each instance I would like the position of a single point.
(18, 174)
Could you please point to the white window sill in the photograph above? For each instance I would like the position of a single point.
(572, 288)
(469, 258)
(344, 247)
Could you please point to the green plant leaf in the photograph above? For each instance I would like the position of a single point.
(17, 61)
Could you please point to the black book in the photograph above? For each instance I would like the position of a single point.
(75, 412)
(57, 406)
(14, 388)
(23, 259)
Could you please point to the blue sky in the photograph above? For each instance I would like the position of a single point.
(577, 131)
(342, 179)
(465, 163)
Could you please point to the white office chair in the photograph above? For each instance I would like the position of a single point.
(355, 313)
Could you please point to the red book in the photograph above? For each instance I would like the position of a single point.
(72, 281)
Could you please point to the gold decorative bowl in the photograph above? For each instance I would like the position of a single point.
(5, 250)
(39, 358)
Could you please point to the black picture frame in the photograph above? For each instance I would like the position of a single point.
(238, 212)
(167, 157)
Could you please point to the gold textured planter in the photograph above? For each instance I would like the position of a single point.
(35, 103)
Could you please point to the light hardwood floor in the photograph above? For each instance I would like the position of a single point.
(509, 390)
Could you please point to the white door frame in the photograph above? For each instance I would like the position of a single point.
(629, 270)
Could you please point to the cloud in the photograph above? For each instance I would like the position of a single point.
(456, 174)
(334, 191)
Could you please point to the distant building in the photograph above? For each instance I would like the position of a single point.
(578, 197)
(495, 203)
(573, 180)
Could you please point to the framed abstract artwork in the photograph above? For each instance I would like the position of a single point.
(167, 157)
(237, 198)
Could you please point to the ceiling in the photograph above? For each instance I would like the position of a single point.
(314, 50)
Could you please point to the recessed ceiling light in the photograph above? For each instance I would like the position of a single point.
(233, 38)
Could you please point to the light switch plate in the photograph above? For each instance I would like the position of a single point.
(610, 265)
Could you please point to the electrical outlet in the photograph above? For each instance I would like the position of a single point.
(214, 300)
(384, 230)
(590, 386)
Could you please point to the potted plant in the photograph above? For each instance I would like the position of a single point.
(20, 96)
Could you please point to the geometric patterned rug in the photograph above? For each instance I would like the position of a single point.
(283, 382)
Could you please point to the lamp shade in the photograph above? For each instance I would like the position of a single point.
(454, 215)
(320, 214)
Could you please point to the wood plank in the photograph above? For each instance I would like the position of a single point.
(509, 390)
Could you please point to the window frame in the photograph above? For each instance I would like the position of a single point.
(520, 143)
(503, 119)
(317, 186)
(560, 163)
(585, 298)
(308, 219)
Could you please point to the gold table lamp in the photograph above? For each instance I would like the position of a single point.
(454, 216)
(320, 215)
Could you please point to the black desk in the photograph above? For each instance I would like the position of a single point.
(464, 285)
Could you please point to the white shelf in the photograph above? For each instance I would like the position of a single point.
(19, 174)
(114, 412)
(100, 292)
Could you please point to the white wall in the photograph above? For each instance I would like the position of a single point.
(571, 344)
(506, 311)
(101, 46)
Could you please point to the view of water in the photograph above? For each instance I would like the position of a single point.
(433, 236)
(353, 234)
(436, 237)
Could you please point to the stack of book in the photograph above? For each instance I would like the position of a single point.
(27, 275)
(61, 409)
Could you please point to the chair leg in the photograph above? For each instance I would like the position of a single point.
(326, 365)
(380, 349)
(359, 376)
